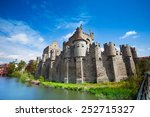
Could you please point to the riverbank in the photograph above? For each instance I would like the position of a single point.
(123, 90)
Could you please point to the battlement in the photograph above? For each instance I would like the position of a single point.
(109, 49)
(95, 44)
(134, 52)
(126, 50)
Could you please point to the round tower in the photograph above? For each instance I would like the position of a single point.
(133, 51)
(127, 51)
(111, 50)
(79, 48)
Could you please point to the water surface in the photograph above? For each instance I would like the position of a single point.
(12, 89)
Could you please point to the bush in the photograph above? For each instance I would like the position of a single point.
(41, 79)
(15, 74)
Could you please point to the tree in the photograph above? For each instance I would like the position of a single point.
(11, 67)
(142, 66)
(21, 65)
(31, 67)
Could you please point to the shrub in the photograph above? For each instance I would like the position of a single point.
(41, 79)
(16, 74)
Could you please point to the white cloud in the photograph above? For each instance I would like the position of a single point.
(19, 52)
(19, 41)
(128, 34)
(66, 37)
(21, 38)
(19, 32)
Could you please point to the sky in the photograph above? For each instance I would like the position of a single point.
(28, 26)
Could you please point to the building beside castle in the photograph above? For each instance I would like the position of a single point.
(82, 60)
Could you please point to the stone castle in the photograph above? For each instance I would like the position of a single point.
(82, 60)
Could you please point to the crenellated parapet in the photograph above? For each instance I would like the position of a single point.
(134, 52)
(126, 50)
(109, 49)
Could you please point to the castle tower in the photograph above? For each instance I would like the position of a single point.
(134, 54)
(128, 59)
(79, 52)
(110, 52)
(100, 70)
(54, 50)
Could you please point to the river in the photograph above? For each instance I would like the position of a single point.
(12, 89)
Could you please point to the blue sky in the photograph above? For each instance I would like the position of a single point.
(27, 26)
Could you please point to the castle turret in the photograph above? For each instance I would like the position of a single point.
(79, 48)
(110, 49)
(100, 74)
(126, 50)
(128, 59)
(79, 52)
(110, 52)
(134, 54)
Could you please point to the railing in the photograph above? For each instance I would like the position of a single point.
(144, 92)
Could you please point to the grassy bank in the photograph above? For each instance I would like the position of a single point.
(110, 90)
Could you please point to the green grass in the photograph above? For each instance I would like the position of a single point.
(123, 90)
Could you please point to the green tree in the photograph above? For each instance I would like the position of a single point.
(21, 65)
(11, 67)
(31, 67)
(142, 66)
